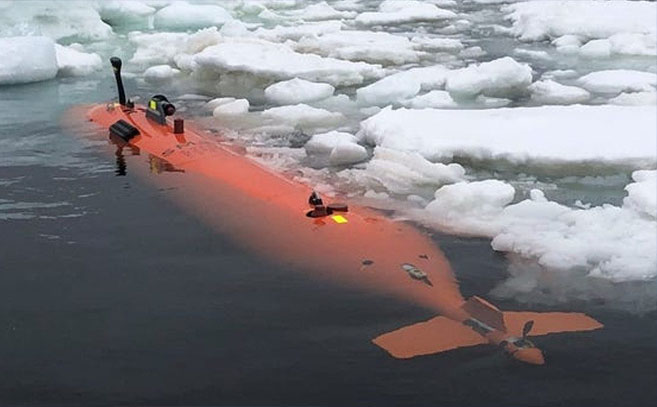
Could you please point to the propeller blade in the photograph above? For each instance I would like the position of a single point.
(527, 327)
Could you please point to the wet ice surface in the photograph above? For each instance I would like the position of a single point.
(303, 87)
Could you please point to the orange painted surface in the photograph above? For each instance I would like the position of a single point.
(266, 212)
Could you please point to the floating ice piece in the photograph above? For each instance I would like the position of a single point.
(539, 20)
(324, 143)
(320, 11)
(618, 80)
(402, 85)
(156, 48)
(438, 44)
(404, 172)
(550, 92)
(403, 11)
(596, 49)
(634, 44)
(303, 116)
(78, 20)
(160, 73)
(182, 16)
(470, 207)
(278, 61)
(125, 12)
(295, 32)
(635, 99)
(641, 194)
(347, 153)
(72, 62)
(546, 135)
(27, 59)
(436, 99)
(297, 90)
(502, 77)
(368, 46)
(212, 104)
(611, 242)
(236, 107)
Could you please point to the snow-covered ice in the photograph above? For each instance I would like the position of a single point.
(399, 11)
(549, 134)
(402, 85)
(547, 91)
(618, 80)
(303, 116)
(502, 77)
(27, 59)
(182, 15)
(297, 90)
(159, 73)
(73, 62)
(231, 108)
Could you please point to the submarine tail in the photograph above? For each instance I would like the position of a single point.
(549, 322)
(436, 335)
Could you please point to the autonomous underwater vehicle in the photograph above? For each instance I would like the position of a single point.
(289, 223)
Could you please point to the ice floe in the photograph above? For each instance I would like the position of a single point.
(231, 108)
(400, 11)
(297, 90)
(159, 73)
(547, 91)
(71, 61)
(502, 77)
(402, 85)
(547, 135)
(302, 116)
(183, 16)
(27, 59)
(618, 80)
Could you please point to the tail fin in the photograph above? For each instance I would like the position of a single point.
(442, 334)
(549, 322)
(438, 334)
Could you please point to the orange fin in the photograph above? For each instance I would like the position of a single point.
(438, 334)
(549, 322)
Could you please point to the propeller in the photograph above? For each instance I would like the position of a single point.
(527, 328)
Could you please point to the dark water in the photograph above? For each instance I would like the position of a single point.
(110, 294)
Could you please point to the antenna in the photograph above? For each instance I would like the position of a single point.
(116, 64)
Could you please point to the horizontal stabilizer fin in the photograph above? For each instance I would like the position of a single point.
(438, 334)
(549, 322)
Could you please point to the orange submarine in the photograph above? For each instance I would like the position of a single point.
(290, 224)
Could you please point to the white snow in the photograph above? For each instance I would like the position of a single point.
(616, 243)
(297, 90)
(281, 33)
(347, 153)
(125, 12)
(400, 11)
(438, 44)
(547, 91)
(548, 134)
(436, 99)
(368, 46)
(232, 108)
(320, 11)
(302, 116)
(278, 61)
(404, 172)
(618, 80)
(159, 73)
(72, 62)
(635, 99)
(591, 19)
(324, 143)
(182, 15)
(502, 77)
(642, 194)
(27, 59)
(77, 20)
(402, 85)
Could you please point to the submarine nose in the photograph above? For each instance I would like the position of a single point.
(533, 356)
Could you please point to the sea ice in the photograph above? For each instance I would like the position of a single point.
(297, 90)
(401, 11)
(548, 135)
(72, 62)
(324, 143)
(402, 85)
(618, 80)
(502, 77)
(303, 116)
(160, 73)
(547, 91)
(27, 59)
(232, 108)
(182, 16)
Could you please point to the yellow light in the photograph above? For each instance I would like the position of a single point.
(339, 219)
(152, 104)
